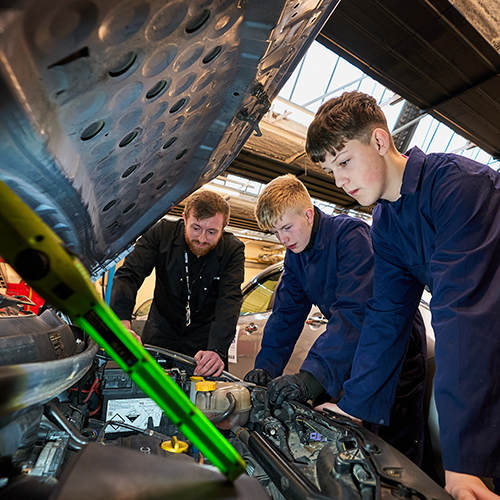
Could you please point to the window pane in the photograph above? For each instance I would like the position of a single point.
(258, 297)
(144, 309)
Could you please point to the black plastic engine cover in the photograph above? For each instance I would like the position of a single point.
(104, 472)
(28, 339)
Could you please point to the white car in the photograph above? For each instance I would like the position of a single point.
(258, 299)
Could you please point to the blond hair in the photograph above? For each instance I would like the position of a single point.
(280, 195)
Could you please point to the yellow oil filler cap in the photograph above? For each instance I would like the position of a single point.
(206, 386)
(174, 446)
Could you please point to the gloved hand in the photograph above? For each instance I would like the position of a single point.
(288, 387)
(258, 376)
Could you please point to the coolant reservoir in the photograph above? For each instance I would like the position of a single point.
(192, 390)
(213, 402)
(204, 394)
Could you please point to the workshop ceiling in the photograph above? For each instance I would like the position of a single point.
(439, 55)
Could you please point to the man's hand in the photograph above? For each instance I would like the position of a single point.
(287, 387)
(467, 487)
(128, 326)
(258, 376)
(336, 409)
(208, 363)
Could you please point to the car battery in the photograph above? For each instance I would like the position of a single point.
(123, 401)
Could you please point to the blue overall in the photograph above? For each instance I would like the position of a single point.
(444, 231)
(336, 274)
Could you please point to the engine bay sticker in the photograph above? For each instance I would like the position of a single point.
(232, 355)
(135, 411)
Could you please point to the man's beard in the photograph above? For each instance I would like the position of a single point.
(197, 250)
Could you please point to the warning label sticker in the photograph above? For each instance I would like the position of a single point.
(134, 412)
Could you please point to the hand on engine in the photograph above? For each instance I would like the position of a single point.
(467, 487)
(258, 376)
(208, 363)
(336, 409)
(287, 387)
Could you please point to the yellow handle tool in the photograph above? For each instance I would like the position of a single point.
(39, 257)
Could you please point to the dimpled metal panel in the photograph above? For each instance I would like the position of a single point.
(113, 111)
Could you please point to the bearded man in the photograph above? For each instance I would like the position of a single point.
(199, 271)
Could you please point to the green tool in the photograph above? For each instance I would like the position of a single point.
(40, 257)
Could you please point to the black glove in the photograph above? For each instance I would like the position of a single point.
(288, 387)
(258, 376)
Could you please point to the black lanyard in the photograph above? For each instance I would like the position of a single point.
(188, 308)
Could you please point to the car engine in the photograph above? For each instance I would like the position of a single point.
(73, 425)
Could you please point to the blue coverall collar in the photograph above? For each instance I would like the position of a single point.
(319, 242)
(411, 175)
(413, 170)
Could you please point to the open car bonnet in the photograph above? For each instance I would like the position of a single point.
(111, 112)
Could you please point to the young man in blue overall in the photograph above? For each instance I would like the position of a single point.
(328, 262)
(437, 223)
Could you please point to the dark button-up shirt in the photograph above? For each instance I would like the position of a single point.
(215, 283)
(444, 231)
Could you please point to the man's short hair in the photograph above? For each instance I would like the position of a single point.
(353, 115)
(281, 194)
(205, 204)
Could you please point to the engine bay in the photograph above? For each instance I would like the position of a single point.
(75, 426)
